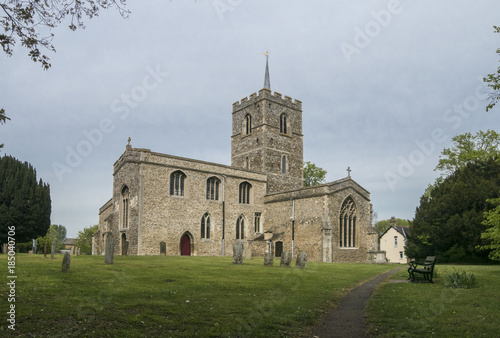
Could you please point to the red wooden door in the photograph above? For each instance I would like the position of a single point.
(185, 245)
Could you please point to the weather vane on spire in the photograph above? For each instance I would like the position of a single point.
(267, 82)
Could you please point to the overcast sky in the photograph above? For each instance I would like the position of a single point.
(385, 85)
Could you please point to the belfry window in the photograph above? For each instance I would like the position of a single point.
(213, 184)
(240, 228)
(347, 224)
(283, 164)
(177, 179)
(205, 226)
(248, 124)
(283, 129)
(125, 207)
(244, 193)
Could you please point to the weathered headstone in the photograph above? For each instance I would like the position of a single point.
(110, 249)
(4, 248)
(268, 259)
(238, 252)
(247, 252)
(301, 260)
(53, 249)
(286, 259)
(66, 262)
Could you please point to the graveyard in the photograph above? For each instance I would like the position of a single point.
(210, 296)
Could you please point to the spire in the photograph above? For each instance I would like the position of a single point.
(267, 83)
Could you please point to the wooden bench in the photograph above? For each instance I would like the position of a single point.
(422, 271)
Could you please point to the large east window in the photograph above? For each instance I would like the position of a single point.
(347, 226)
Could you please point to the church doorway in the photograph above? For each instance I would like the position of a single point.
(163, 248)
(186, 245)
(278, 249)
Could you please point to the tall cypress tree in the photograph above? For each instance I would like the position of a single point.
(24, 201)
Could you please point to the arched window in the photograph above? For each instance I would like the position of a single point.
(347, 226)
(213, 188)
(177, 183)
(125, 207)
(283, 164)
(205, 226)
(257, 222)
(240, 228)
(248, 124)
(283, 123)
(245, 188)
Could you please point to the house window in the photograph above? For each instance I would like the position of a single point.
(347, 224)
(177, 183)
(240, 228)
(283, 124)
(257, 222)
(125, 207)
(283, 164)
(245, 188)
(205, 226)
(248, 124)
(401, 255)
(213, 188)
(395, 241)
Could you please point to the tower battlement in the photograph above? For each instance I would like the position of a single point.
(265, 93)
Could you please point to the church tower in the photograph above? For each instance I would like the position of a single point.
(267, 137)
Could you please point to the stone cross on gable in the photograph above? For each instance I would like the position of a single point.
(348, 171)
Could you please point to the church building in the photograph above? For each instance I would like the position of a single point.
(169, 205)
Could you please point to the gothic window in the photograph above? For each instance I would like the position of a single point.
(245, 188)
(205, 226)
(213, 188)
(177, 183)
(283, 164)
(283, 126)
(347, 224)
(247, 163)
(240, 228)
(125, 207)
(257, 222)
(248, 124)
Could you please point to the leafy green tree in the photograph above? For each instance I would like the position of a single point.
(84, 239)
(28, 21)
(468, 148)
(493, 81)
(385, 224)
(24, 201)
(313, 175)
(3, 119)
(492, 234)
(449, 220)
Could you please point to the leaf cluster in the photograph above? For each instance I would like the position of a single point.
(313, 175)
(492, 234)
(84, 239)
(493, 81)
(26, 20)
(24, 202)
(449, 220)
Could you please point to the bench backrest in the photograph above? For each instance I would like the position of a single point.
(429, 262)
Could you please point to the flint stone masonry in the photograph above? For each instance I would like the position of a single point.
(66, 262)
(238, 252)
(145, 218)
(301, 261)
(286, 259)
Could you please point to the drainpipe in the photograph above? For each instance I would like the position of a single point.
(223, 211)
(293, 223)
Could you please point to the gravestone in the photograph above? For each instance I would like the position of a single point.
(268, 259)
(301, 260)
(238, 252)
(4, 248)
(247, 252)
(110, 249)
(286, 259)
(66, 262)
(53, 250)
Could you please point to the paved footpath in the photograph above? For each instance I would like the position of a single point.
(349, 318)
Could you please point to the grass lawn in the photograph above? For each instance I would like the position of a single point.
(140, 296)
(422, 309)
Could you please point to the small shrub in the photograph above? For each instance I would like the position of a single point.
(461, 279)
